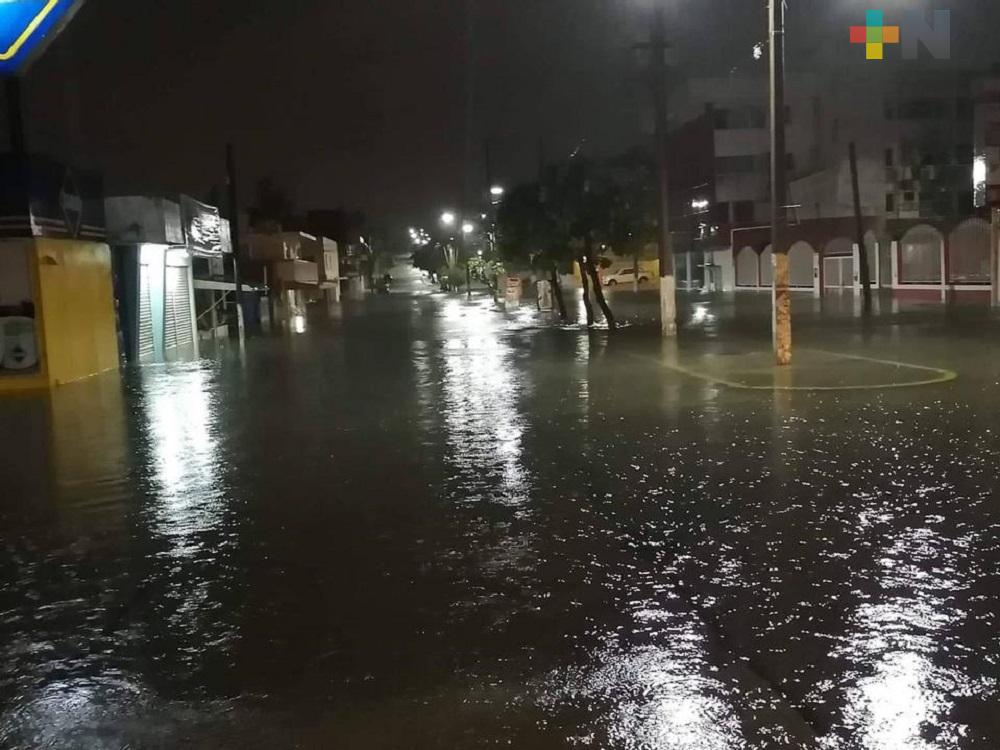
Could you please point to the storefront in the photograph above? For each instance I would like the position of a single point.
(154, 287)
(57, 319)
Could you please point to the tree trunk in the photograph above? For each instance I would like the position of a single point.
(586, 291)
(598, 291)
(557, 292)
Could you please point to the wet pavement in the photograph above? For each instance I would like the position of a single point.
(428, 524)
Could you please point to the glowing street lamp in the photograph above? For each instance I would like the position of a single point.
(467, 228)
(448, 218)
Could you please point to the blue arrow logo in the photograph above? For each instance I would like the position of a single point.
(24, 27)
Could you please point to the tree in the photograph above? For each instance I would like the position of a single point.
(529, 236)
(272, 206)
(633, 222)
(577, 209)
(429, 258)
(344, 226)
(587, 199)
(486, 270)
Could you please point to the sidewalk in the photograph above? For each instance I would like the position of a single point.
(725, 338)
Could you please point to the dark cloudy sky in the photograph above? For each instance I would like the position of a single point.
(385, 104)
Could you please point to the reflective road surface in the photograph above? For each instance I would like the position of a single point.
(428, 524)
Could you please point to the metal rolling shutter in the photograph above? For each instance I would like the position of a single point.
(177, 313)
(146, 348)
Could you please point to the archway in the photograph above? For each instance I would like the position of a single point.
(969, 253)
(920, 255)
(747, 267)
(800, 265)
(767, 267)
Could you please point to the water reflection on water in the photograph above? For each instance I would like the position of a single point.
(902, 692)
(480, 401)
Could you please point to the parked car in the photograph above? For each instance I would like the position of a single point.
(625, 276)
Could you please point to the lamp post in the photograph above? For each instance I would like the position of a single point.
(448, 222)
(496, 196)
(781, 321)
(467, 229)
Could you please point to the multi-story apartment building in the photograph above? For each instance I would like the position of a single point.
(720, 166)
(915, 134)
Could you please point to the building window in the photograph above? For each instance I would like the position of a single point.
(993, 134)
(909, 196)
(743, 211)
(739, 118)
(922, 109)
(889, 157)
(890, 203)
(735, 164)
(720, 213)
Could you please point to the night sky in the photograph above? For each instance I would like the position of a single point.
(385, 104)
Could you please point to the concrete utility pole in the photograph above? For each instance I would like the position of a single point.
(865, 275)
(781, 296)
(657, 47)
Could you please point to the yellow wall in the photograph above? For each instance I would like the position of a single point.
(76, 309)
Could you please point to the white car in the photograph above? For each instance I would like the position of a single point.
(625, 276)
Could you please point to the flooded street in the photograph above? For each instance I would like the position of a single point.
(428, 524)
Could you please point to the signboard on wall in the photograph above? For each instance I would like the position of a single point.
(202, 228)
(45, 198)
(27, 26)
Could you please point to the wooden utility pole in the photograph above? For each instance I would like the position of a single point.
(657, 48)
(864, 273)
(994, 253)
(15, 116)
(781, 295)
(234, 234)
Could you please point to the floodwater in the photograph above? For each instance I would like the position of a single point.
(428, 524)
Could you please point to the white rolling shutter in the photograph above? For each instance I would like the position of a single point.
(146, 348)
(178, 325)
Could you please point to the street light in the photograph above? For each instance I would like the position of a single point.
(448, 218)
(467, 228)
